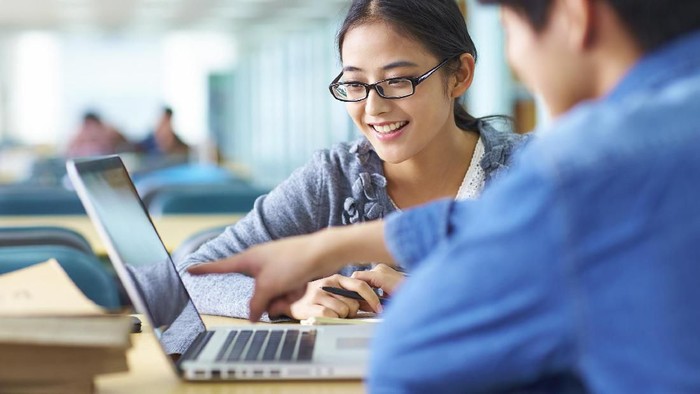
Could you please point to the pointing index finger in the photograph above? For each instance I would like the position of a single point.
(228, 265)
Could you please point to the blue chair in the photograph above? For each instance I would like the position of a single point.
(203, 199)
(44, 235)
(194, 241)
(85, 270)
(39, 200)
(48, 171)
(184, 174)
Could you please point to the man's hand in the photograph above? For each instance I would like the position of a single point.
(283, 268)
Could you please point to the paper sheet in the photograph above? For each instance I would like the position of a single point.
(43, 289)
(361, 318)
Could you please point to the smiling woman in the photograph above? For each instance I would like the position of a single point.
(405, 64)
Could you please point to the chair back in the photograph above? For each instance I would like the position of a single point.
(43, 235)
(194, 241)
(147, 182)
(39, 200)
(203, 199)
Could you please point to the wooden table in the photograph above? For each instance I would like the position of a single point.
(150, 372)
(173, 229)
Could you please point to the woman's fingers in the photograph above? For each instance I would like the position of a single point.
(369, 277)
(363, 289)
(282, 306)
(341, 306)
(381, 276)
(318, 302)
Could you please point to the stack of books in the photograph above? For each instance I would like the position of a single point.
(52, 338)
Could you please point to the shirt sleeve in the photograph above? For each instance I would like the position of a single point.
(490, 308)
(410, 235)
(292, 208)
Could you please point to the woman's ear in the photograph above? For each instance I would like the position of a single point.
(464, 76)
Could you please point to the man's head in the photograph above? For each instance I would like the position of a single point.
(651, 22)
(573, 50)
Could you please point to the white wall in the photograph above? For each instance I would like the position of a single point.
(49, 80)
(119, 78)
(33, 87)
(282, 110)
(188, 59)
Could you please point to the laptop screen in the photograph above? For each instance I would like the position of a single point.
(136, 251)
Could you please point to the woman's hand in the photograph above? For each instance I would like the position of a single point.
(318, 302)
(283, 268)
(381, 276)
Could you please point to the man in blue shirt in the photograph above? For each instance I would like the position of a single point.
(578, 270)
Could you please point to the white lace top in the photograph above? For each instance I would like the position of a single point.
(474, 179)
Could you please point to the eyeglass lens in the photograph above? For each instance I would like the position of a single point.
(392, 88)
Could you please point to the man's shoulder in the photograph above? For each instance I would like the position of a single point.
(642, 126)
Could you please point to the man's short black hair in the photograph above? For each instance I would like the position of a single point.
(653, 23)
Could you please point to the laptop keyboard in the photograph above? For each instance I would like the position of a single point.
(268, 345)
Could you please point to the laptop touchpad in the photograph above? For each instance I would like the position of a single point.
(352, 343)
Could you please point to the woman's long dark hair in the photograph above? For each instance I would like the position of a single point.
(437, 24)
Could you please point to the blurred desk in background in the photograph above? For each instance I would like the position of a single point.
(173, 229)
(150, 372)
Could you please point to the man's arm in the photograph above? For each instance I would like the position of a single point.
(491, 308)
(413, 234)
(283, 268)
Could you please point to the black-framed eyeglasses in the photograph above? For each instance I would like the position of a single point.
(392, 88)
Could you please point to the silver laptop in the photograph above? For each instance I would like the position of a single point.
(248, 352)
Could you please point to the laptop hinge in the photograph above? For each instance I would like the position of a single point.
(196, 348)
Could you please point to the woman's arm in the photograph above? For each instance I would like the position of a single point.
(292, 208)
(283, 268)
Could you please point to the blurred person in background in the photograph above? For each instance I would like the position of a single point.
(163, 140)
(95, 138)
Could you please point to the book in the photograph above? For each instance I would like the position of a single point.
(79, 386)
(104, 331)
(54, 339)
(43, 289)
(28, 362)
(41, 305)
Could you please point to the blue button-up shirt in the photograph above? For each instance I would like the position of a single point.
(578, 271)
